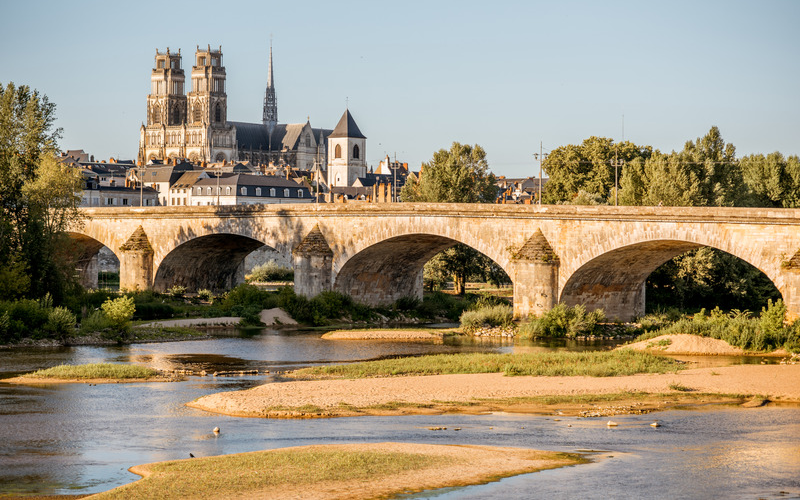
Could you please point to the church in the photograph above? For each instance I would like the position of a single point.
(195, 126)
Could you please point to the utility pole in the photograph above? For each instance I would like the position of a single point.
(141, 186)
(540, 156)
(616, 163)
(218, 173)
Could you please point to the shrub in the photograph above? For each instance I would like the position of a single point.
(497, 315)
(564, 321)
(270, 271)
(245, 295)
(60, 323)
(96, 322)
(154, 310)
(177, 291)
(407, 303)
(119, 313)
(205, 294)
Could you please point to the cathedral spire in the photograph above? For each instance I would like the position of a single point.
(270, 117)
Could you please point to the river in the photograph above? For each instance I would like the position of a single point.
(79, 439)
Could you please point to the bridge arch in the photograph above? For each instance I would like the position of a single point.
(212, 261)
(615, 279)
(384, 271)
(84, 250)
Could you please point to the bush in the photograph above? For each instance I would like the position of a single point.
(205, 294)
(153, 310)
(496, 315)
(407, 303)
(96, 322)
(177, 291)
(270, 271)
(564, 321)
(60, 323)
(245, 295)
(119, 313)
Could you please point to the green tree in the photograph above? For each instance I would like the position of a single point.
(458, 175)
(37, 198)
(584, 173)
(772, 180)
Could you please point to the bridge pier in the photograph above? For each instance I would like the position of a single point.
(312, 261)
(87, 270)
(136, 262)
(535, 288)
(790, 291)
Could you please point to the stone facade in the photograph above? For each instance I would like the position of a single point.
(599, 256)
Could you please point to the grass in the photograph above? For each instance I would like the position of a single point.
(236, 475)
(95, 370)
(166, 333)
(677, 386)
(594, 364)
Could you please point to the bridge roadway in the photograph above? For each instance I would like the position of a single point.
(599, 256)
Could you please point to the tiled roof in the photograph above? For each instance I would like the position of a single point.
(347, 127)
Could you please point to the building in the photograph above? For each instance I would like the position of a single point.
(248, 189)
(519, 190)
(195, 125)
(106, 183)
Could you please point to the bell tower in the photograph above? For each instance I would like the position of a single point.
(347, 151)
(211, 137)
(166, 104)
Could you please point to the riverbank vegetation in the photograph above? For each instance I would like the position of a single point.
(95, 371)
(765, 332)
(592, 364)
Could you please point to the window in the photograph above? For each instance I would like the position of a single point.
(338, 151)
(244, 191)
(208, 191)
(286, 193)
(355, 152)
(199, 191)
(299, 193)
(272, 191)
(308, 141)
(161, 64)
(197, 113)
(218, 113)
(228, 190)
(258, 191)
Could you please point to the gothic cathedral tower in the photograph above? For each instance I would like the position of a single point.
(166, 110)
(347, 151)
(270, 117)
(210, 136)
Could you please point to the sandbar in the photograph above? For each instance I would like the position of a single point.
(492, 392)
(452, 465)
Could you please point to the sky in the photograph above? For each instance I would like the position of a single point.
(418, 75)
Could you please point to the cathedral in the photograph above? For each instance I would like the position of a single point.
(195, 125)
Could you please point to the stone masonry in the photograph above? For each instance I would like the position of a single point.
(599, 256)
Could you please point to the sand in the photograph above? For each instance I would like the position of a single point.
(439, 393)
(686, 344)
(463, 465)
(399, 335)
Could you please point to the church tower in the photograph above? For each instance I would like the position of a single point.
(270, 117)
(347, 151)
(210, 136)
(166, 109)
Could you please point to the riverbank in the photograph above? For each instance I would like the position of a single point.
(695, 345)
(494, 392)
(373, 470)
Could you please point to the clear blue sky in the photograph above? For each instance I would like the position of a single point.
(420, 75)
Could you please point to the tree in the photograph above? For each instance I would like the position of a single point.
(37, 197)
(772, 180)
(458, 175)
(584, 173)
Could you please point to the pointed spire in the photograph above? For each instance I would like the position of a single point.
(138, 242)
(270, 116)
(537, 248)
(347, 127)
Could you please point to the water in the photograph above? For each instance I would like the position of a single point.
(77, 438)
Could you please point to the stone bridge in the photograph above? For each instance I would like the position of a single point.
(599, 256)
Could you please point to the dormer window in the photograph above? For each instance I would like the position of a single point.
(286, 193)
(258, 191)
(243, 191)
(272, 191)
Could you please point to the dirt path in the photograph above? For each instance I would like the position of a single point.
(326, 398)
